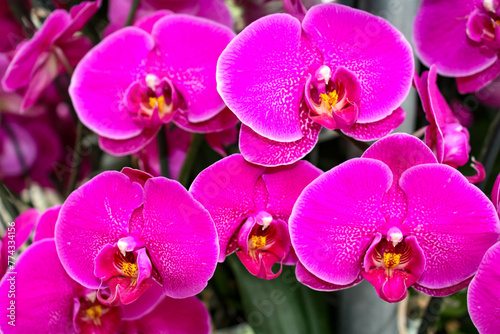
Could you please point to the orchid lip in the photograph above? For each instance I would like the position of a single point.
(263, 241)
(392, 264)
(90, 315)
(125, 269)
(333, 98)
(152, 100)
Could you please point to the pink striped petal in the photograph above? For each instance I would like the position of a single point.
(284, 185)
(305, 277)
(172, 316)
(478, 80)
(399, 152)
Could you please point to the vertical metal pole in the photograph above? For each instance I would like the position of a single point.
(361, 310)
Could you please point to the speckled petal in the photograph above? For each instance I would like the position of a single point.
(484, 294)
(284, 185)
(305, 277)
(260, 77)
(99, 82)
(441, 202)
(122, 147)
(266, 152)
(46, 225)
(444, 291)
(440, 38)
(180, 237)
(368, 46)
(51, 310)
(476, 81)
(225, 189)
(495, 193)
(173, 316)
(190, 48)
(222, 121)
(336, 216)
(94, 215)
(399, 152)
(16, 235)
(378, 129)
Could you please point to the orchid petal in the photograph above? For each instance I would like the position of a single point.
(440, 203)
(261, 77)
(99, 83)
(190, 48)
(50, 311)
(94, 215)
(384, 69)
(442, 39)
(266, 152)
(180, 237)
(223, 189)
(331, 231)
(484, 294)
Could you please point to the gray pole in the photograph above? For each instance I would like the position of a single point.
(361, 310)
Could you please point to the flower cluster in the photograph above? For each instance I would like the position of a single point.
(122, 128)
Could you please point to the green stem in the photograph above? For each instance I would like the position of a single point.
(76, 161)
(11, 204)
(131, 13)
(163, 152)
(490, 150)
(187, 166)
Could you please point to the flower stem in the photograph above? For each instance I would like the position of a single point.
(76, 161)
(163, 152)
(131, 13)
(187, 166)
(490, 150)
(431, 314)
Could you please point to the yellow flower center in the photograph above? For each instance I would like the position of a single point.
(258, 241)
(391, 259)
(129, 269)
(329, 100)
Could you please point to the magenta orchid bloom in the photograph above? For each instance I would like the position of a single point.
(215, 10)
(29, 150)
(483, 297)
(395, 217)
(250, 206)
(126, 231)
(15, 236)
(170, 76)
(285, 79)
(445, 136)
(64, 306)
(462, 38)
(53, 48)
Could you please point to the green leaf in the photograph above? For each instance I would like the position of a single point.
(281, 305)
